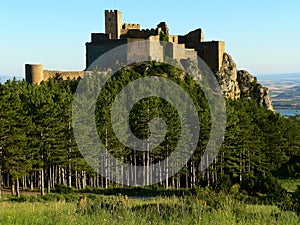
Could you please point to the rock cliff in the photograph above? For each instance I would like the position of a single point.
(238, 84)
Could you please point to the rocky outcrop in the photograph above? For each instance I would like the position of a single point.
(227, 77)
(241, 84)
(251, 89)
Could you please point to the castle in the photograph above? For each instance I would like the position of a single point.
(117, 34)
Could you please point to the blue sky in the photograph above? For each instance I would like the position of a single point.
(262, 36)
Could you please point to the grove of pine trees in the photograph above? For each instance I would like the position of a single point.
(38, 149)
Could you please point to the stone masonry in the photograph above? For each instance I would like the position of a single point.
(117, 34)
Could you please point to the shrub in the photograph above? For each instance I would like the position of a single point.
(291, 202)
(163, 37)
(112, 203)
(248, 183)
(62, 189)
(296, 200)
(264, 184)
(224, 183)
(287, 203)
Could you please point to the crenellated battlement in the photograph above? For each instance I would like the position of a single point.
(149, 30)
(141, 34)
(111, 11)
(128, 26)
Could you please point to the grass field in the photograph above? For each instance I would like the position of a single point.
(159, 210)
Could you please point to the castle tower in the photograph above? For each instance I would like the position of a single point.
(34, 73)
(113, 23)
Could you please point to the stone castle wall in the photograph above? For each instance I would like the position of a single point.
(127, 26)
(212, 54)
(35, 74)
(64, 75)
(97, 48)
(117, 34)
(192, 39)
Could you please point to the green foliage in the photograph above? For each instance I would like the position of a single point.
(36, 133)
(296, 200)
(290, 184)
(223, 183)
(290, 169)
(291, 202)
(249, 183)
(263, 184)
(62, 189)
(139, 191)
(112, 203)
(52, 197)
(163, 37)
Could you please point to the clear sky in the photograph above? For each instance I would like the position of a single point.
(262, 36)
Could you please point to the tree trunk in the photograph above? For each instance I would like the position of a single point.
(207, 172)
(13, 190)
(76, 179)
(178, 181)
(63, 176)
(79, 180)
(31, 180)
(173, 182)
(17, 187)
(41, 179)
(145, 171)
(106, 159)
(53, 175)
(69, 159)
(148, 162)
(131, 175)
(97, 179)
(49, 177)
(187, 178)
(122, 168)
(167, 166)
(135, 164)
(160, 176)
(106, 170)
(83, 175)
(69, 175)
(58, 172)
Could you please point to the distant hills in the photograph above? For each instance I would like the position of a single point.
(291, 93)
(284, 90)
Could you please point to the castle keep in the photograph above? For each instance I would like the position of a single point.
(118, 33)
